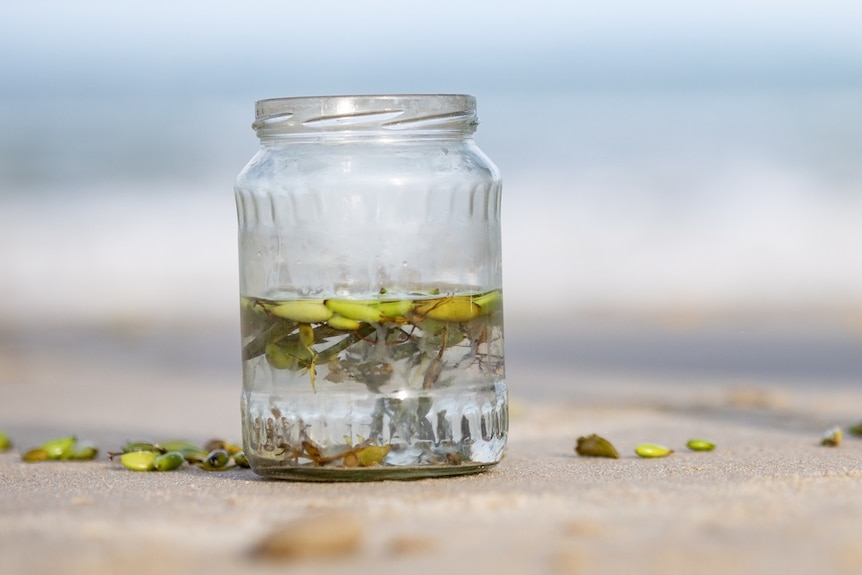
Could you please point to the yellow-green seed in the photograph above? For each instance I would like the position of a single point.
(343, 323)
(595, 446)
(60, 448)
(5, 442)
(306, 335)
(449, 309)
(84, 451)
(832, 437)
(37, 454)
(303, 311)
(489, 302)
(290, 355)
(372, 455)
(650, 450)
(856, 429)
(217, 458)
(178, 445)
(700, 445)
(240, 459)
(168, 461)
(394, 309)
(133, 446)
(139, 460)
(359, 311)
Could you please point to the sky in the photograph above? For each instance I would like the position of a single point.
(289, 48)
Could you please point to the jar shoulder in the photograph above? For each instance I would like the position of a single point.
(307, 163)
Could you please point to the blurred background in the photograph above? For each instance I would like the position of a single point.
(682, 181)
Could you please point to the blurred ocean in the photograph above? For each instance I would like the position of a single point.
(681, 170)
(644, 202)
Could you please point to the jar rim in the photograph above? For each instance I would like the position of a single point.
(364, 113)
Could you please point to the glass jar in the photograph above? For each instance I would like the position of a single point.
(371, 290)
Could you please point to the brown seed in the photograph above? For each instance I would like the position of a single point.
(595, 446)
(320, 537)
(37, 454)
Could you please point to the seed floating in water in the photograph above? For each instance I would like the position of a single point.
(595, 446)
(651, 450)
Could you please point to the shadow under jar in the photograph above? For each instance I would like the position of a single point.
(371, 290)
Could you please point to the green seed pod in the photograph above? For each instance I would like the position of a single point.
(306, 335)
(240, 459)
(449, 309)
(60, 448)
(34, 455)
(178, 445)
(84, 451)
(343, 323)
(194, 455)
(700, 445)
(168, 461)
(372, 455)
(217, 458)
(5, 442)
(291, 355)
(489, 302)
(650, 450)
(133, 446)
(139, 460)
(303, 311)
(359, 311)
(595, 446)
(392, 310)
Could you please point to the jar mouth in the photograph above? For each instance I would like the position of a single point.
(388, 113)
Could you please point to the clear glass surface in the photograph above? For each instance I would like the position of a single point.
(371, 290)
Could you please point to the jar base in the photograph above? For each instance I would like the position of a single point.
(381, 473)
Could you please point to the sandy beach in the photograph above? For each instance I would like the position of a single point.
(769, 499)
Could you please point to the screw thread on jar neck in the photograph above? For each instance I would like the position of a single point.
(440, 115)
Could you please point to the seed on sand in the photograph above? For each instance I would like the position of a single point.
(595, 446)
